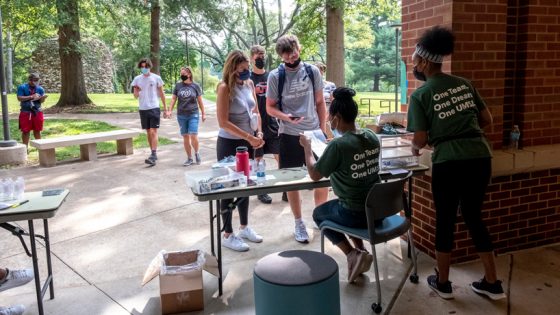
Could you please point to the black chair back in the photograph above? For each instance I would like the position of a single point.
(385, 199)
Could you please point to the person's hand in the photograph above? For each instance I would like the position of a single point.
(295, 119)
(36, 96)
(416, 152)
(203, 117)
(256, 142)
(304, 141)
(137, 88)
(169, 113)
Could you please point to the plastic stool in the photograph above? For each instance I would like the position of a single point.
(296, 282)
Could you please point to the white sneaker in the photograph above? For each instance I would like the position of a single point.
(12, 310)
(250, 234)
(301, 233)
(15, 278)
(235, 243)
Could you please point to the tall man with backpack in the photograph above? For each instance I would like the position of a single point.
(295, 97)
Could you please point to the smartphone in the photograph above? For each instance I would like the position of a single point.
(294, 117)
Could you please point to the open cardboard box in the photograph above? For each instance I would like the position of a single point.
(180, 279)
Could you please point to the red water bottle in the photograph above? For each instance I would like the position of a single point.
(242, 160)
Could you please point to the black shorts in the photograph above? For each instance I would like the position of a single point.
(291, 152)
(271, 146)
(149, 118)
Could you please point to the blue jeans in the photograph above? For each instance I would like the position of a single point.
(332, 210)
(188, 124)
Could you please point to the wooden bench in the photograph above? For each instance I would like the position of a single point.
(87, 142)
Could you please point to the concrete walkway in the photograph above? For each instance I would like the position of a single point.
(121, 213)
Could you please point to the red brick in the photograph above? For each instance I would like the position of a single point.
(539, 189)
(547, 196)
(549, 180)
(528, 199)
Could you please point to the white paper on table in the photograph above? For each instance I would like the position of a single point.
(318, 141)
(397, 171)
(6, 205)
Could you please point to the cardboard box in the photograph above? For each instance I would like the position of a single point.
(180, 279)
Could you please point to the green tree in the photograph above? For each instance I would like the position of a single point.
(73, 87)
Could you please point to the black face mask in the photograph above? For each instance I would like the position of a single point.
(259, 63)
(420, 76)
(184, 77)
(293, 65)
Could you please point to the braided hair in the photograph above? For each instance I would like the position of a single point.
(344, 104)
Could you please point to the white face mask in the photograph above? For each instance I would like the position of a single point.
(335, 132)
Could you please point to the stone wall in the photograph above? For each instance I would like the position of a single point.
(97, 62)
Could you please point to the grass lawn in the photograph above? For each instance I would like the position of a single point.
(106, 103)
(379, 103)
(67, 127)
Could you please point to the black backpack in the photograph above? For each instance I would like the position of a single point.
(282, 78)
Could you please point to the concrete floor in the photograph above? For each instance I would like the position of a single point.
(121, 213)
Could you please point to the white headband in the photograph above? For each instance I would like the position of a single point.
(422, 52)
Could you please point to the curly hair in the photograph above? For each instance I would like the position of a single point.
(343, 103)
(438, 40)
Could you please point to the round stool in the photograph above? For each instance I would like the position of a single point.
(296, 282)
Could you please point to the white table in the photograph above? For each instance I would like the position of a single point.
(38, 207)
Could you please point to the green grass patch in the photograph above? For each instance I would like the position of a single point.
(210, 96)
(375, 103)
(65, 127)
(106, 103)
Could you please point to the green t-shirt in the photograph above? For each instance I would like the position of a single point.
(447, 107)
(352, 163)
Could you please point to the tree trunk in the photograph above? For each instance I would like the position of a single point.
(376, 79)
(335, 43)
(154, 36)
(73, 88)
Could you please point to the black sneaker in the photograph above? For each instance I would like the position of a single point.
(265, 198)
(284, 197)
(444, 290)
(151, 160)
(491, 290)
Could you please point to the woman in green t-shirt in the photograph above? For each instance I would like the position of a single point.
(351, 162)
(448, 114)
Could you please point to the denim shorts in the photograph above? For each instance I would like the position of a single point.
(188, 124)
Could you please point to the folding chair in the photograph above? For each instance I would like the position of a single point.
(385, 201)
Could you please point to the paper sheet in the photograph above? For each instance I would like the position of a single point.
(318, 141)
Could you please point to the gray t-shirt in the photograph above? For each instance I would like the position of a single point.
(186, 97)
(297, 98)
(241, 103)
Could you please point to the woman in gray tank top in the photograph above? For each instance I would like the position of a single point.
(235, 104)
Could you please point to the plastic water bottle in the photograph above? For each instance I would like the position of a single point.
(8, 188)
(19, 188)
(514, 135)
(261, 172)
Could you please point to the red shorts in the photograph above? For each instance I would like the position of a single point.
(28, 121)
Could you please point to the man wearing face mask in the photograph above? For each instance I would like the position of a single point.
(148, 87)
(31, 95)
(299, 106)
(259, 76)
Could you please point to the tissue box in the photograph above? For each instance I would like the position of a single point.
(180, 279)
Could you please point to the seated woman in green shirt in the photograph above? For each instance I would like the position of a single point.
(351, 161)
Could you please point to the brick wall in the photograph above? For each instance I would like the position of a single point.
(521, 211)
(537, 110)
(509, 49)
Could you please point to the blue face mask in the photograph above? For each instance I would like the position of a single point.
(244, 75)
(144, 70)
(335, 132)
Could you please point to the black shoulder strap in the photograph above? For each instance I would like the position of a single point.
(281, 78)
(311, 76)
